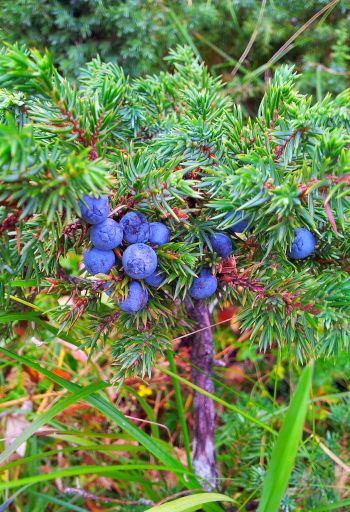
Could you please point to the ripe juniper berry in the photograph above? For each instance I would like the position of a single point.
(136, 299)
(135, 227)
(204, 285)
(97, 209)
(159, 233)
(221, 244)
(97, 261)
(139, 261)
(106, 235)
(303, 244)
(155, 278)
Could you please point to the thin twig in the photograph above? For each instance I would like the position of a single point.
(202, 329)
(113, 212)
(17, 401)
(331, 455)
(300, 30)
(328, 70)
(93, 497)
(252, 39)
(150, 422)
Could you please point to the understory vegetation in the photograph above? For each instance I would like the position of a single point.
(81, 435)
(159, 106)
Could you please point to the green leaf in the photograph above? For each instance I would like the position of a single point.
(116, 469)
(52, 499)
(12, 316)
(190, 503)
(285, 450)
(180, 409)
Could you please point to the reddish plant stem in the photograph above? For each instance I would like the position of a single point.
(228, 274)
(10, 221)
(67, 114)
(305, 187)
(278, 150)
(107, 321)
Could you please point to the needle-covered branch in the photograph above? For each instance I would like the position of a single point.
(175, 149)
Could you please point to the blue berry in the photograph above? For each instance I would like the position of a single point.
(239, 226)
(98, 262)
(155, 278)
(203, 286)
(106, 235)
(135, 227)
(139, 261)
(97, 211)
(136, 299)
(221, 244)
(159, 234)
(303, 244)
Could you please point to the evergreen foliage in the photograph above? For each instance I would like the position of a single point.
(177, 150)
(136, 35)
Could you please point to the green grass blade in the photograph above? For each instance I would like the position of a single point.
(8, 502)
(216, 399)
(231, 389)
(51, 499)
(22, 283)
(24, 302)
(285, 450)
(70, 449)
(190, 503)
(113, 414)
(231, 9)
(48, 415)
(123, 472)
(12, 316)
(55, 331)
(180, 409)
(147, 408)
(216, 49)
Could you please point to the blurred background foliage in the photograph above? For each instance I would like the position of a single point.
(137, 34)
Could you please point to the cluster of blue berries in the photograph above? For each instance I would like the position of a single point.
(205, 284)
(139, 259)
(302, 246)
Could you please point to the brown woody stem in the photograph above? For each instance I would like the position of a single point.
(204, 462)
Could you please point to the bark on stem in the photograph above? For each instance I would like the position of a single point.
(204, 463)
